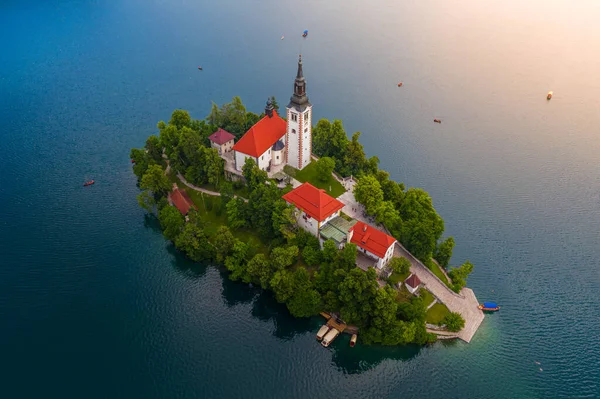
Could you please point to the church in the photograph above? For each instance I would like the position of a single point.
(274, 141)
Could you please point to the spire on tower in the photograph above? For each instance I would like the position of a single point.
(299, 99)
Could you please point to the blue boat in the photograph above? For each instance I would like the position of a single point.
(489, 307)
(305, 33)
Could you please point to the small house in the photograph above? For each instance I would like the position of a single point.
(412, 283)
(222, 140)
(181, 200)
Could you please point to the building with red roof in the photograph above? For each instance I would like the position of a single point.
(264, 142)
(314, 207)
(412, 283)
(222, 140)
(373, 243)
(181, 200)
(274, 141)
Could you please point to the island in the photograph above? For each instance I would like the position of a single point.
(298, 209)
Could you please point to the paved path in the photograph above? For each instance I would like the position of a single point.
(465, 303)
(202, 190)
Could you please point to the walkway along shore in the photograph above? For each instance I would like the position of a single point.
(464, 303)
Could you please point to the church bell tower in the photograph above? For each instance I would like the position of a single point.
(298, 136)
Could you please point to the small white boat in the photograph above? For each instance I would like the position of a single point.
(329, 337)
(353, 340)
(282, 37)
(322, 331)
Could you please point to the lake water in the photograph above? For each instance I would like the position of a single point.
(95, 304)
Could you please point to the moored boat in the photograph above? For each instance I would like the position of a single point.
(489, 307)
(88, 183)
(322, 331)
(329, 337)
(353, 340)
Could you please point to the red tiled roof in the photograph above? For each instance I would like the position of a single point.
(221, 136)
(261, 136)
(315, 202)
(182, 201)
(413, 281)
(371, 239)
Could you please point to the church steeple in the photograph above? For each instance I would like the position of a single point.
(299, 99)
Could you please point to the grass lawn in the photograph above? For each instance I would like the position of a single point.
(427, 296)
(403, 295)
(395, 278)
(435, 268)
(309, 174)
(208, 207)
(437, 313)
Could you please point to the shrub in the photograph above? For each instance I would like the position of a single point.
(454, 322)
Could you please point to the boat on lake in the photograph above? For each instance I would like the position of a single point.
(353, 340)
(549, 96)
(322, 331)
(305, 33)
(329, 337)
(436, 120)
(489, 307)
(88, 183)
(400, 84)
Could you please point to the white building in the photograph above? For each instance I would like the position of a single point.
(274, 141)
(299, 124)
(373, 243)
(314, 207)
(264, 142)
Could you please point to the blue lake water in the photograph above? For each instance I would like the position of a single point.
(95, 304)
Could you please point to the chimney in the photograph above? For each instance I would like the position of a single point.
(269, 108)
(364, 228)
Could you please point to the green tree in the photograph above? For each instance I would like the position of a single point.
(329, 139)
(454, 322)
(194, 243)
(259, 270)
(146, 200)
(400, 265)
(169, 137)
(354, 157)
(214, 166)
(236, 262)
(324, 167)
(233, 117)
(237, 213)
(253, 175)
(180, 118)
(392, 191)
(282, 257)
(443, 252)
(284, 221)
(415, 310)
(154, 148)
(141, 162)
(274, 103)
(311, 256)
(171, 221)
(305, 303)
(223, 243)
(214, 118)
(459, 275)
(356, 293)
(368, 192)
(283, 285)
(155, 180)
